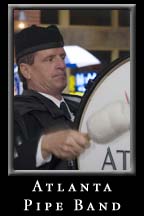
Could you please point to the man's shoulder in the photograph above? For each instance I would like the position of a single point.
(27, 102)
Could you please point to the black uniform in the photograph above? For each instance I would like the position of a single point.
(35, 114)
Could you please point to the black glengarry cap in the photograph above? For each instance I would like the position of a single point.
(35, 38)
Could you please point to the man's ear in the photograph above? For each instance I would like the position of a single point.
(24, 68)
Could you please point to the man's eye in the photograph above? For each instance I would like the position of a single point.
(50, 59)
(63, 57)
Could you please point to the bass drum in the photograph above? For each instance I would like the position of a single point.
(110, 85)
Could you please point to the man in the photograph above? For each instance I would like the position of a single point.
(43, 134)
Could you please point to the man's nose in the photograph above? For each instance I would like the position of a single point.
(61, 63)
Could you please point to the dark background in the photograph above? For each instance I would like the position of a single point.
(123, 191)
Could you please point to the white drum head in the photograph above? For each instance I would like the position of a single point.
(112, 85)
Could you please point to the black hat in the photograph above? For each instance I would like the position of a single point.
(36, 38)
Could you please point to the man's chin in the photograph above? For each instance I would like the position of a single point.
(61, 87)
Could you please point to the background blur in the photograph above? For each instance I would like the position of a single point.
(104, 33)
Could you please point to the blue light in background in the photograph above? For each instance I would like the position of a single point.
(82, 80)
(17, 83)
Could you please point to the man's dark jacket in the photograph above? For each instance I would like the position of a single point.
(34, 115)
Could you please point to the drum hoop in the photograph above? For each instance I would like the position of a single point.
(96, 83)
(98, 80)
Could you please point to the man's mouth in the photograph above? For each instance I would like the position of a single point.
(60, 76)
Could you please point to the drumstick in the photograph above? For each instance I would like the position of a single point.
(109, 123)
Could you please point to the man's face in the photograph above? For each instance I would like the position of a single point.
(47, 74)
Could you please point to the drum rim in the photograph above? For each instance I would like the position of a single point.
(90, 89)
(88, 92)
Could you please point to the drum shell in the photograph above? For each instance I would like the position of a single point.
(110, 85)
